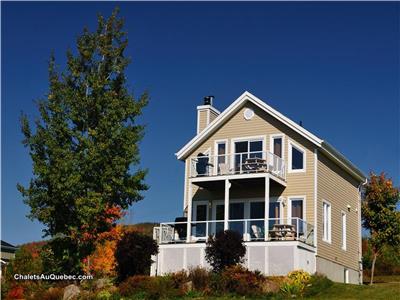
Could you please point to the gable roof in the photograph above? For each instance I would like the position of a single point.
(247, 96)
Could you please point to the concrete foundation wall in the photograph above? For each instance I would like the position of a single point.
(336, 272)
(271, 258)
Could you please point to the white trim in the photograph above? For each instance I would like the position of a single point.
(289, 209)
(198, 121)
(236, 105)
(343, 222)
(246, 96)
(237, 176)
(187, 163)
(292, 145)
(271, 143)
(315, 198)
(216, 143)
(254, 138)
(327, 230)
(203, 107)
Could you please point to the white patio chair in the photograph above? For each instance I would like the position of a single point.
(256, 231)
(223, 169)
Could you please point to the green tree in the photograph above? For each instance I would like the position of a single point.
(84, 148)
(380, 215)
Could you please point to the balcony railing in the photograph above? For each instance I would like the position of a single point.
(289, 229)
(237, 163)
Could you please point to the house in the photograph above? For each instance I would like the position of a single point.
(7, 254)
(293, 197)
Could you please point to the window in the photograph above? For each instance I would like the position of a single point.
(247, 149)
(296, 158)
(326, 225)
(344, 230)
(221, 158)
(277, 146)
(296, 213)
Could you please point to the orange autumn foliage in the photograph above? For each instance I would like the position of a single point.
(102, 262)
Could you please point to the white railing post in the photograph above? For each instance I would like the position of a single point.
(246, 236)
(298, 228)
(189, 214)
(226, 204)
(207, 222)
(266, 208)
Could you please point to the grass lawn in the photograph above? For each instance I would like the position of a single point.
(340, 291)
(384, 291)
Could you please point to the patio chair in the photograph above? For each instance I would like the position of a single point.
(223, 169)
(257, 232)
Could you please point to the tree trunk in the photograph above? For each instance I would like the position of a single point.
(373, 268)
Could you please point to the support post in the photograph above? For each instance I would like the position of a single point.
(226, 204)
(266, 208)
(189, 214)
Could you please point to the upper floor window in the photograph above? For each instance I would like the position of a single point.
(276, 145)
(297, 158)
(326, 222)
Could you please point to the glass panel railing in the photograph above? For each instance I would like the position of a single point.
(278, 229)
(237, 163)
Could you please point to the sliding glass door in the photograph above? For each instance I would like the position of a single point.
(245, 150)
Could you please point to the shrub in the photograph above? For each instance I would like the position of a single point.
(53, 293)
(295, 283)
(16, 292)
(318, 283)
(133, 285)
(133, 254)
(225, 249)
(240, 281)
(161, 288)
(200, 278)
(179, 278)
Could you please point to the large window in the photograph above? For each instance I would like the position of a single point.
(245, 150)
(344, 229)
(326, 225)
(297, 158)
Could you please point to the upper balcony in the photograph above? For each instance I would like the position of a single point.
(237, 163)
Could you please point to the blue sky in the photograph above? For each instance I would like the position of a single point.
(335, 66)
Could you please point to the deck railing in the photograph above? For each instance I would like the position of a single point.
(278, 229)
(237, 163)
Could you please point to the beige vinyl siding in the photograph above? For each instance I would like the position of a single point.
(262, 124)
(213, 115)
(202, 121)
(340, 189)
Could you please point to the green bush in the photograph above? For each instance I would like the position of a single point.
(133, 255)
(225, 249)
(317, 284)
(295, 283)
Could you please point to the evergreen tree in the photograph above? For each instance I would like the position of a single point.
(84, 147)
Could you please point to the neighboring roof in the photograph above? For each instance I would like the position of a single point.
(237, 104)
(7, 246)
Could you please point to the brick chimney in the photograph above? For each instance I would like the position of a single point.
(206, 113)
